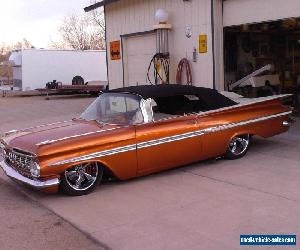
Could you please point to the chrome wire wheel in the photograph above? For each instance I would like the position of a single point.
(83, 176)
(238, 147)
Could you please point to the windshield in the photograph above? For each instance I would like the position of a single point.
(115, 108)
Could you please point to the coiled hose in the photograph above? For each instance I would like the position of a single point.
(184, 63)
(164, 62)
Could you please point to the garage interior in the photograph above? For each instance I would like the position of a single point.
(250, 47)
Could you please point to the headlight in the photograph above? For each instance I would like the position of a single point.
(35, 169)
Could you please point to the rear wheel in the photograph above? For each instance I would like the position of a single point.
(81, 179)
(238, 147)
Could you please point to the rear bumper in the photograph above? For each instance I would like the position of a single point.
(13, 174)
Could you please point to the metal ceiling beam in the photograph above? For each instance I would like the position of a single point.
(98, 5)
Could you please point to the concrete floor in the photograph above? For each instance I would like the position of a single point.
(201, 206)
(28, 225)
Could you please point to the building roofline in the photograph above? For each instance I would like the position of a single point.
(98, 5)
(66, 50)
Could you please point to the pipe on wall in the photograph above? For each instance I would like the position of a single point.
(213, 42)
(106, 47)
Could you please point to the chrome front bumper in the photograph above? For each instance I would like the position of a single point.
(13, 174)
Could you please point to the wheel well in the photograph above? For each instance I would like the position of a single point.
(241, 134)
(107, 173)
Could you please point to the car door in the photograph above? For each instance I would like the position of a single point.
(167, 143)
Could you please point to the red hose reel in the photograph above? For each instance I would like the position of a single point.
(184, 63)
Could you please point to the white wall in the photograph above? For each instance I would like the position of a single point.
(42, 66)
(238, 12)
(130, 16)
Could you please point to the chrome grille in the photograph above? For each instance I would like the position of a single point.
(19, 160)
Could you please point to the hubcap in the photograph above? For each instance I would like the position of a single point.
(239, 144)
(83, 176)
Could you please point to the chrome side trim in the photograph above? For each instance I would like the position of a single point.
(169, 139)
(10, 172)
(243, 123)
(39, 126)
(146, 144)
(73, 136)
(205, 131)
(97, 155)
(11, 132)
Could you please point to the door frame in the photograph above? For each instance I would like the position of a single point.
(123, 48)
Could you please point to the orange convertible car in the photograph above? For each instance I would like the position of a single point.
(136, 131)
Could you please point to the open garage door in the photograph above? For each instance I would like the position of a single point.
(273, 46)
(237, 12)
(138, 51)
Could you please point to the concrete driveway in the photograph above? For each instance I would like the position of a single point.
(27, 225)
(201, 206)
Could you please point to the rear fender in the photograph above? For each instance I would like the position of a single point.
(264, 129)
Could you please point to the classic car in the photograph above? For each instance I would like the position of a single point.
(136, 131)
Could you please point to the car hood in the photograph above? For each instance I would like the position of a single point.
(35, 138)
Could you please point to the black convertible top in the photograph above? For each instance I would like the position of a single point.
(212, 98)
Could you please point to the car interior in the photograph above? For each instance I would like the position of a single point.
(173, 106)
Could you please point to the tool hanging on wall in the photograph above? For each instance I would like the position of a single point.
(161, 69)
(160, 62)
(184, 63)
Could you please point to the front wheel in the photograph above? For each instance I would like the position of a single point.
(81, 179)
(238, 147)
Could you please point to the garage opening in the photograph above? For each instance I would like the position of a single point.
(137, 52)
(250, 47)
